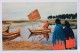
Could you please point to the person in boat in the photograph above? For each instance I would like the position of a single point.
(58, 36)
(46, 25)
(70, 40)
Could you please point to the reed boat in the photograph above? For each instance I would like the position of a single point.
(5, 29)
(10, 36)
(40, 31)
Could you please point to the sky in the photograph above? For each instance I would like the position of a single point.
(19, 11)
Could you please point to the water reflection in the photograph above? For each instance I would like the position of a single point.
(40, 35)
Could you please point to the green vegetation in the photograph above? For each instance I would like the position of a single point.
(63, 16)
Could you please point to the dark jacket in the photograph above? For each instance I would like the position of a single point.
(68, 32)
(58, 34)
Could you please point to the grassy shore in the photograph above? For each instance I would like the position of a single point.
(22, 45)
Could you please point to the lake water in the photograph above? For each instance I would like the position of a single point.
(34, 25)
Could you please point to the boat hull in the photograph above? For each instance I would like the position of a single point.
(40, 31)
(5, 30)
(11, 36)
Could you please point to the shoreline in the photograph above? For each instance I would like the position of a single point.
(24, 45)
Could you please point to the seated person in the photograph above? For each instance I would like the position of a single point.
(46, 25)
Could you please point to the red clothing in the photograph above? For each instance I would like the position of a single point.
(59, 45)
(70, 43)
(46, 25)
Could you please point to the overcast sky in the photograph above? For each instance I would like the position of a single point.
(19, 11)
